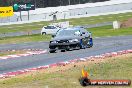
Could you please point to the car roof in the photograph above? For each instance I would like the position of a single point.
(73, 28)
(78, 27)
(51, 25)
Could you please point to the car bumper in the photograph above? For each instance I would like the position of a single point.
(63, 46)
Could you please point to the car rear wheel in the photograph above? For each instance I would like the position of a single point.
(82, 46)
(90, 44)
(43, 33)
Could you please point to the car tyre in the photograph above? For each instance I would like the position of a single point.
(78, 47)
(89, 46)
(82, 46)
(52, 51)
(68, 48)
(43, 33)
(62, 50)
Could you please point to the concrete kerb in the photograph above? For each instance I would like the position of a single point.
(105, 55)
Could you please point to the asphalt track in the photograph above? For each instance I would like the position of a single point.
(101, 45)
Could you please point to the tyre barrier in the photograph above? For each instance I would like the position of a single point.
(102, 56)
(28, 53)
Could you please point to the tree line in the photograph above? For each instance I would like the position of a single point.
(48, 3)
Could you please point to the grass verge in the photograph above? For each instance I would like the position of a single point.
(119, 67)
(109, 31)
(96, 32)
(13, 52)
(75, 21)
(24, 39)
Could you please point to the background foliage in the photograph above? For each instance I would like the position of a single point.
(48, 3)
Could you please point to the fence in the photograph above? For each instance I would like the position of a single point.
(69, 13)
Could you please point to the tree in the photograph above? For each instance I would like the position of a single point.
(4, 3)
(48, 3)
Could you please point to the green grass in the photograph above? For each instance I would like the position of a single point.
(116, 68)
(5, 53)
(96, 32)
(77, 21)
(109, 31)
(24, 39)
(24, 28)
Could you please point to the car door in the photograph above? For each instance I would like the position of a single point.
(48, 30)
(53, 30)
(85, 37)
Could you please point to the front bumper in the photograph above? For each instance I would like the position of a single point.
(63, 46)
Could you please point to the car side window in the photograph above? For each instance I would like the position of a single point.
(47, 27)
(84, 31)
(50, 27)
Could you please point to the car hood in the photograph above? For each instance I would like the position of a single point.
(65, 38)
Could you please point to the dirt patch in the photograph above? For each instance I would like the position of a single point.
(127, 23)
(15, 52)
(5, 53)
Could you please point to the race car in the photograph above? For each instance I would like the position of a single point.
(71, 38)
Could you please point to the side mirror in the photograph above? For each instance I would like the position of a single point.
(53, 35)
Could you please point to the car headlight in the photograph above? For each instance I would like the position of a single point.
(73, 40)
(53, 42)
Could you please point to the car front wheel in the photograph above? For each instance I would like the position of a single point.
(52, 51)
(82, 46)
(43, 33)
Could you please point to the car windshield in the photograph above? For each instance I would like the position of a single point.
(67, 32)
(49, 27)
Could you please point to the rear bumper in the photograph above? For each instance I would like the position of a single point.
(63, 46)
